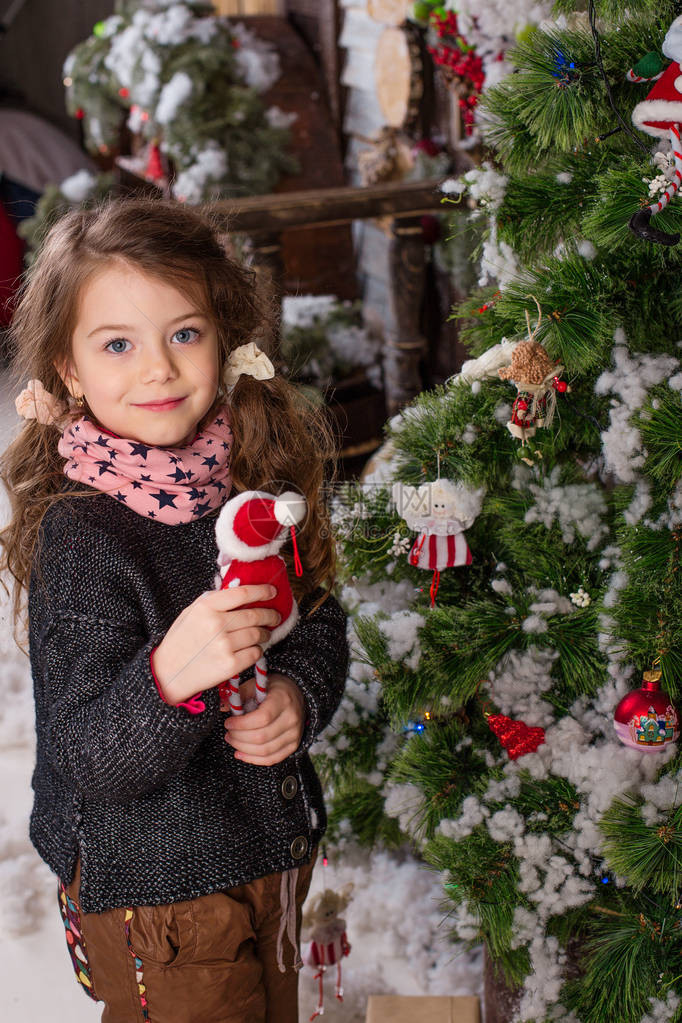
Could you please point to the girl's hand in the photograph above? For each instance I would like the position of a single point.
(213, 639)
(273, 731)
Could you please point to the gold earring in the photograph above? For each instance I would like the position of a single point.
(79, 401)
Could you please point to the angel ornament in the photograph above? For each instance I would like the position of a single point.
(537, 381)
(440, 512)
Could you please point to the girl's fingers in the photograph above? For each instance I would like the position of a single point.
(242, 639)
(265, 756)
(287, 740)
(236, 596)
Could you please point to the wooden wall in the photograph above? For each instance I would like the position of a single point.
(33, 50)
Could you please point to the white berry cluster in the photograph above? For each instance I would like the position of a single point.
(581, 598)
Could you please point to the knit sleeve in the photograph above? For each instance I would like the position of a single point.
(107, 731)
(315, 656)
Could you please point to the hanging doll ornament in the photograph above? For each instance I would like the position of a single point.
(250, 531)
(439, 512)
(323, 924)
(660, 115)
(537, 381)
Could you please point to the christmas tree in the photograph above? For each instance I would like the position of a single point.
(513, 560)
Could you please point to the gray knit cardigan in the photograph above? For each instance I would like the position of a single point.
(149, 795)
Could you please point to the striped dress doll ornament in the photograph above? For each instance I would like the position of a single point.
(250, 531)
(439, 512)
(323, 924)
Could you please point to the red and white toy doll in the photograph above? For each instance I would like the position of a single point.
(329, 944)
(660, 115)
(250, 530)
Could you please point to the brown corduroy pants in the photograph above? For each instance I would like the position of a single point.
(209, 960)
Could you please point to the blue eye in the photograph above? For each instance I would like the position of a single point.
(186, 335)
(116, 341)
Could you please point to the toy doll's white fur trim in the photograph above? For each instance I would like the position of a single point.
(289, 509)
(657, 110)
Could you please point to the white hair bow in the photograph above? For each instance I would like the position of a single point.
(248, 359)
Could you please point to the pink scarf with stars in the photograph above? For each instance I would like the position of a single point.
(170, 485)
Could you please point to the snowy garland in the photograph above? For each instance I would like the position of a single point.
(188, 80)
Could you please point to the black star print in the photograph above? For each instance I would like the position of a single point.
(105, 467)
(195, 494)
(173, 459)
(136, 485)
(91, 479)
(164, 498)
(208, 442)
(226, 446)
(151, 514)
(211, 462)
(220, 486)
(147, 479)
(178, 475)
(81, 447)
(219, 422)
(77, 429)
(201, 509)
(121, 497)
(102, 441)
(139, 449)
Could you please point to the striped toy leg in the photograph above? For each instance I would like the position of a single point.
(261, 679)
(672, 188)
(230, 697)
(339, 986)
(319, 1011)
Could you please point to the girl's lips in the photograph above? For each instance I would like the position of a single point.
(162, 406)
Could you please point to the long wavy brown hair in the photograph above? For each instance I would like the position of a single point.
(281, 440)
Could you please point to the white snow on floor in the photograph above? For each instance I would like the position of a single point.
(395, 923)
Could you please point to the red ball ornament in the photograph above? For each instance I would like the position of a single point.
(79, 114)
(516, 736)
(645, 719)
(560, 385)
(124, 92)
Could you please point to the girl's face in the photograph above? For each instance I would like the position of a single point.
(144, 357)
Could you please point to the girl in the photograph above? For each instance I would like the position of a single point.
(183, 840)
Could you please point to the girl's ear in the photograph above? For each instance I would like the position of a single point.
(68, 377)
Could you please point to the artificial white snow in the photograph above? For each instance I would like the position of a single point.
(278, 118)
(564, 177)
(306, 310)
(662, 1011)
(210, 164)
(79, 186)
(173, 95)
(586, 249)
(257, 59)
(518, 682)
(640, 504)
(401, 631)
(502, 586)
(404, 803)
(486, 185)
(499, 263)
(471, 813)
(534, 624)
(506, 824)
(578, 509)
(630, 379)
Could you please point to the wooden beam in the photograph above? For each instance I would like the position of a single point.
(311, 208)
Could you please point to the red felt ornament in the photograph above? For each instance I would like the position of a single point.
(516, 736)
(154, 169)
(645, 719)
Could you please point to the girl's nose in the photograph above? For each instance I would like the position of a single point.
(158, 363)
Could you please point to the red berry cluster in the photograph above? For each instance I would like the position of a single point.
(461, 65)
